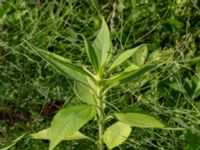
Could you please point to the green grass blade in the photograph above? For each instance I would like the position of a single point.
(13, 142)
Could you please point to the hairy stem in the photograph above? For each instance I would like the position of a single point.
(100, 112)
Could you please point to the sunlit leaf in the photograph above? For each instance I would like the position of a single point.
(63, 65)
(84, 93)
(103, 45)
(45, 135)
(138, 53)
(116, 134)
(130, 74)
(138, 119)
(140, 56)
(68, 121)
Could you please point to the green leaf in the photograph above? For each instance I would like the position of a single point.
(92, 54)
(116, 134)
(155, 56)
(63, 65)
(138, 53)
(45, 135)
(175, 23)
(138, 119)
(84, 93)
(103, 45)
(13, 142)
(130, 74)
(140, 56)
(4, 8)
(193, 141)
(68, 121)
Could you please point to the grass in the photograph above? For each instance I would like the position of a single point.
(27, 82)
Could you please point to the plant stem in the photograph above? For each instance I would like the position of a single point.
(100, 112)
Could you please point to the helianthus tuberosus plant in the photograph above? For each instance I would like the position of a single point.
(91, 87)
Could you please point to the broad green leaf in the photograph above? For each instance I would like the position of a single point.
(116, 134)
(138, 53)
(68, 121)
(84, 93)
(45, 135)
(63, 65)
(103, 45)
(138, 119)
(129, 75)
(92, 55)
(13, 142)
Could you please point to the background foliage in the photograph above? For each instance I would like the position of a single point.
(31, 91)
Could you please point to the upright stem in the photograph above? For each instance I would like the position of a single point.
(100, 112)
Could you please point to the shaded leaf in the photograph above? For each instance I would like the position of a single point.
(116, 134)
(193, 141)
(5, 7)
(92, 54)
(68, 121)
(141, 120)
(103, 45)
(195, 81)
(45, 135)
(175, 23)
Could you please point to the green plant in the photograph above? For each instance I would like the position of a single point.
(92, 86)
(54, 26)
